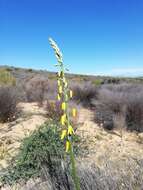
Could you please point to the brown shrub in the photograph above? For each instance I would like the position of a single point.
(8, 103)
(134, 114)
(38, 89)
(125, 100)
(35, 89)
(54, 112)
(84, 93)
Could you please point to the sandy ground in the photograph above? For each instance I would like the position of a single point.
(11, 134)
(104, 145)
(100, 146)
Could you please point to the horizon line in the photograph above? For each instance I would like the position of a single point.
(124, 75)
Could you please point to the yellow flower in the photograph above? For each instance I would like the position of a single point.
(64, 80)
(71, 93)
(64, 132)
(59, 83)
(67, 146)
(70, 130)
(59, 74)
(63, 119)
(63, 105)
(74, 112)
(58, 97)
(60, 89)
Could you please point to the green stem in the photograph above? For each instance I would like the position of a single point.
(74, 173)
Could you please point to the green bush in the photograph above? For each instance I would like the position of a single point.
(30, 70)
(97, 82)
(6, 78)
(43, 149)
(8, 69)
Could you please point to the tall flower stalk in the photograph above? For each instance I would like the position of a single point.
(64, 94)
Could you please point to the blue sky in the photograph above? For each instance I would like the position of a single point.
(95, 36)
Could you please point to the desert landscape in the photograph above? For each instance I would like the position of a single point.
(108, 130)
(71, 95)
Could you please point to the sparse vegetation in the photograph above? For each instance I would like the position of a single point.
(42, 154)
(124, 100)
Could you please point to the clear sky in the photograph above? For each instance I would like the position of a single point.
(95, 36)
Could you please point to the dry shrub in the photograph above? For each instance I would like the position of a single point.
(51, 90)
(84, 93)
(38, 89)
(35, 89)
(8, 103)
(119, 121)
(125, 100)
(54, 111)
(134, 114)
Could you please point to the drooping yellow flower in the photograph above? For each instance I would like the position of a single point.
(67, 146)
(74, 112)
(64, 80)
(59, 83)
(71, 93)
(59, 74)
(63, 135)
(60, 89)
(63, 106)
(70, 130)
(63, 119)
(66, 84)
(58, 97)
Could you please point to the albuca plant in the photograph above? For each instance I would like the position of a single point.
(64, 95)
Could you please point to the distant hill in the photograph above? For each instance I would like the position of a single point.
(26, 73)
